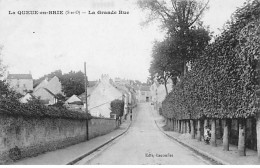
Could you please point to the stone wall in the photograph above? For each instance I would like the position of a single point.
(101, 126)
(24, 137)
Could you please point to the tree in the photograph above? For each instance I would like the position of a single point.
(175, 15)
(162, 67)
(117, 107)
(2, 66)
(181, 19)
(57, 73)
(73, 83)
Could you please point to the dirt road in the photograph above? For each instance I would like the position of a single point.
(145, 144)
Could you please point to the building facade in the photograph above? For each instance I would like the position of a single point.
(21, 83)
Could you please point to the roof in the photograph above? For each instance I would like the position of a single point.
(92, 83)
(50, 92)
(37, 82)
(89, 91)
(19, 76)
(145, 88)
(73, 96)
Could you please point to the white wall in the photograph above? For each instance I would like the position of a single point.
(19, 85)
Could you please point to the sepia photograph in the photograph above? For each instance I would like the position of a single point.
(129, 82)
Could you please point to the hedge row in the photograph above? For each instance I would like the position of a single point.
(223, 81)
(34, 108)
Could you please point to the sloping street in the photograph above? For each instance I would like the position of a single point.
(145, 144)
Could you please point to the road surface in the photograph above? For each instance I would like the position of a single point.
(144, 144)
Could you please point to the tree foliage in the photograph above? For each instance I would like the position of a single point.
(117, 107)
(175, 15)
(2, 66)
(34, 108)
(223, 81)
(186, 37)
(73, 83)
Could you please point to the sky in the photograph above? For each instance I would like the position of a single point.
(114, 44)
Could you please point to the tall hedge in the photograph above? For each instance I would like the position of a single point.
(223, 80)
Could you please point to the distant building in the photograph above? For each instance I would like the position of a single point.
(158, 92)
(21, 83)
(46, 95)
(143, 94)
(48, 89)
(101, 96)
(26, 97)
(120, 81)
(74, 103)
(53, 85)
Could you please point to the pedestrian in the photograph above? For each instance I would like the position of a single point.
(207, 135)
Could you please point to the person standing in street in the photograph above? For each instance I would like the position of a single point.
(131, 115)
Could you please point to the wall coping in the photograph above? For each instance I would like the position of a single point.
(102, 118)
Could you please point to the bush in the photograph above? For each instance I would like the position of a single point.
(34, 108)
(15, 153)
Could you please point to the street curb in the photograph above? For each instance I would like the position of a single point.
(196, 150)
(97, 148)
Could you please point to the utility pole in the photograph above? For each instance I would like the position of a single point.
(86, 94)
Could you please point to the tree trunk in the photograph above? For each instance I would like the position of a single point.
(185, 127)
(253, 128)
(167, 121)
(192, 129)
(188, 127)
(258, 134)
(220, 128)
(171, 124)
(179, 126)
(199, 131)
(213, 133)
(206, 123)
(242, 137)
(182, 126)
(175, 125)
(227, 124)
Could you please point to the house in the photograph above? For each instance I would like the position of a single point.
(127, 96)
(91, 86)
(48, 89)
(46, 95)
(21, 83)
(72, 99)
(158, 92)
(53, 85)
(143, 94)
(74, 103)
(26, 97)
(101, 96)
